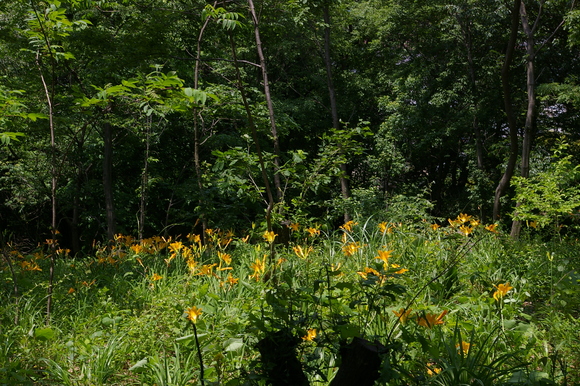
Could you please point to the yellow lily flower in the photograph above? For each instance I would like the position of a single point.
(347, 226)
(311, 334)
(351, 248)
(384, 256)
(463, 348)
(429, 320)
(403, 314)
(313, 232)
(491, 228)
(302, 252)
(502, 290)
(269, 236)
(193, 313)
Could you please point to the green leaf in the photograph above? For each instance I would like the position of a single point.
(34, 116)
(44, 334)
(140, 366)
(106, 321)
(348, 331)
(233, 344)
(7, 136)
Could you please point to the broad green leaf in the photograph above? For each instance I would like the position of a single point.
(140, 366)
(45, 333)
(233, 344)
(34, 116)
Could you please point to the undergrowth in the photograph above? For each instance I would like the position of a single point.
(444, 304)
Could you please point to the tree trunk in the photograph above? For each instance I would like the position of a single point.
(344, 185)
(144, 179)
(49, 94)
(265, 179)
(273, 128)
(196, 139)
(531, 109)
(108, 180)
(473, 79)
(511, 117)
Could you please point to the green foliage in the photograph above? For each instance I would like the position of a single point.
(547, 197)
(169, 371)
(573, 25)
(11, 107)
(48, 27)
(119, 314)
(228, 20)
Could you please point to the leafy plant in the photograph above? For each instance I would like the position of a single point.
(544, 199)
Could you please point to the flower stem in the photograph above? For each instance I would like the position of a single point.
(199, 355)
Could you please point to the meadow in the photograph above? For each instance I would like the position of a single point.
(449, 303)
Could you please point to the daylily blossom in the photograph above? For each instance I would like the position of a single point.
(191, 265)
(429, 320)
(176, 246)
(465, 230)
(230, 280)
(259, 267)
(463, 218)
(313, 231)
(28, 266)
(225, 257)
(207, 269)
(400, 271)
(193, 313)
(432, 370)
(454, 223)
(491, 228)
(347, 226)
(294, 226)
(384, 257)
(502, 290)
(269, 236)
(463, 348)
(385, 228)
(368, 270)
(311, 334)
(403, 314)
(194, 238)
(302, 252)
(351, 248)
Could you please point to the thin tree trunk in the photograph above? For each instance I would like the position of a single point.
(473, 78)
(531, 108)
(53, 185)
(344, 185)
(511, 117)
(74, 223)
(255, 138)
(273, 128)
(144, 179)
(108, 180)
(467, 35)
(196, 140)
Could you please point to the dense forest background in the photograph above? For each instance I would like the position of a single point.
(160, 116)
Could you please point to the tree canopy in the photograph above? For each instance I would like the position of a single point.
(158, 116)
